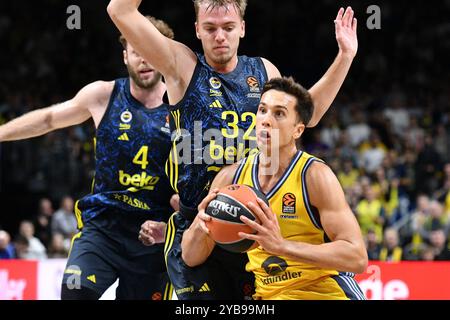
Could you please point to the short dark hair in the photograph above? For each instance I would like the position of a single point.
(161, 25)
(304, 106)
(241, 5)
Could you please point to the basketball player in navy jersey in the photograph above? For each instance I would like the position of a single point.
(130, 187)
(215, 90)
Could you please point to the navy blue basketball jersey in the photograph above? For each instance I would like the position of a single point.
(132, 145)
(213, 125)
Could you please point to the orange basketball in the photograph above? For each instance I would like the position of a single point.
(225, 210)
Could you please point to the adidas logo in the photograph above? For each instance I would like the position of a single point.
(204, 288)
(124, 137)
(216, 104)
(92, 278)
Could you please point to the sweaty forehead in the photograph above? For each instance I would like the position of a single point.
(222, 14)
(274, 98)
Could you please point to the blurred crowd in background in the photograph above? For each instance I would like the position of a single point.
(387, 136)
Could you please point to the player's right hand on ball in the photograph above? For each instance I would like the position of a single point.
(152, 232)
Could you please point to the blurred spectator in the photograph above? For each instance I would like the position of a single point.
(344, 150)
(348, 176)
(415, 135)
(64, 220)
(317, 147)
(383, 126)
(35, 249)
(391, 250)
(358, 131)
(387, 192)
(441, 143)
(427, 253)
(330, 133)
(372, 153)
(43, 220)
(373, 245)
(439, 245)
(434, 221)
(419, 216)
(412, 226)
(397, 113)
(370, 213)
(56, 249)
(443, 194)
(427, 167)
(21, 245)
(6, 247)
(407, 174)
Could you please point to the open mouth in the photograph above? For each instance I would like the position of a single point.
(264, 135)
(146, 72)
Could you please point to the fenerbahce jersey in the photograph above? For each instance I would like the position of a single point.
(131, 146)
(279, 277)
(214, 125)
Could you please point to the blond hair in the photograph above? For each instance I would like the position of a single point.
(161, 25)
(241, 5)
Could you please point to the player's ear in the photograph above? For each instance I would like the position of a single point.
(125, 57)
(243, 29)
(196, 30)
(299, 129)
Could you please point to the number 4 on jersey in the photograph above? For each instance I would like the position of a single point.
(141, 157)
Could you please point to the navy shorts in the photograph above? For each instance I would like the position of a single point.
(221, 277)
(108, 249)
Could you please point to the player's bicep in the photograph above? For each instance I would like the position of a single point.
(90, 101)
(326, 194)
(169, 57)
(272, 71)
(67, 114)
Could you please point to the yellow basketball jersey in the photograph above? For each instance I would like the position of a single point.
(279, 277)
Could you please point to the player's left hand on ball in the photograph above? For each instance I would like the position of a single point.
(268, 230)
(152, 232)
(346, 26)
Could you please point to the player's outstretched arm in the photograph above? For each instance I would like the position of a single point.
(89, 102)
(197, 245)
(346, 251)
(173, 59)
(325, 90)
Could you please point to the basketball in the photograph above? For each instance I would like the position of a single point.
(231, 202)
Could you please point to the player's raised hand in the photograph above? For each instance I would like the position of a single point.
(346, 26)
(152, 232)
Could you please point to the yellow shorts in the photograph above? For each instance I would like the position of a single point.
(340, 287)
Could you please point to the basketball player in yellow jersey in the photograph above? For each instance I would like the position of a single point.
(310, 244)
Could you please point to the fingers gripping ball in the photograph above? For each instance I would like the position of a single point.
(232, 202)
